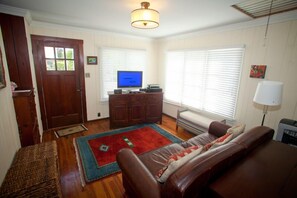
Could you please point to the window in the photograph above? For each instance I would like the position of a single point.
(59, 59)
(205, 80)
(114, 59)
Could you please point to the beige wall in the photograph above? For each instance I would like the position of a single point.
(279, 54)
(9, 139)
(92, 42)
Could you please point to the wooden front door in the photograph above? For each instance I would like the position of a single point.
(60, 79)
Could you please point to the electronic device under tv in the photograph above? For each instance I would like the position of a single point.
(129, 79)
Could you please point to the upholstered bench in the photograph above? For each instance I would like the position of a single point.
(34, 172)
(194, 122)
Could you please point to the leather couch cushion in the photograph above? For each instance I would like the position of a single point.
(202, 139)
(254, 137)
(155, 160)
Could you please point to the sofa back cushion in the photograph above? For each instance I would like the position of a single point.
(201, 139)
(254, 137)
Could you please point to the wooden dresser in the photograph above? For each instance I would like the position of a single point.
(25, 110)
(135, 108)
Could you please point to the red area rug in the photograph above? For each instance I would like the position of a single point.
(139, 140)
(96, 154)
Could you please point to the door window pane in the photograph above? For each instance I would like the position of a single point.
(49, 52)
(59, 59)
(61, 65)
(70, 65)
(50, 65)
(59, 52)
(69, 53)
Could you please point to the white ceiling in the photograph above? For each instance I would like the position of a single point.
(176, 16)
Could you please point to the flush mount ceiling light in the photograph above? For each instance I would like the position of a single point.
(144, 17)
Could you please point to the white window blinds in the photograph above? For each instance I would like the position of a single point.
(206, 80)
(114, 59)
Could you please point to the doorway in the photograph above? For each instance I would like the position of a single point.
(59, 71)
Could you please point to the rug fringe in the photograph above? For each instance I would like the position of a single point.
(83, 183)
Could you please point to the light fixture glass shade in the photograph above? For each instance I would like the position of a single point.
(269, 93)
(144, 17)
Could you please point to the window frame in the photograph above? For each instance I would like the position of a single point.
(180, 103)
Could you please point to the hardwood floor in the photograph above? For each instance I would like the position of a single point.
(108, 187)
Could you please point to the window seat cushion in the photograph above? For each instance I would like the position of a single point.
(196, 118)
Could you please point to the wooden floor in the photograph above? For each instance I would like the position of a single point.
(107, 187)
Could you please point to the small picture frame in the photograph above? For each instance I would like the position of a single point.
(258, 71)
(92, 60)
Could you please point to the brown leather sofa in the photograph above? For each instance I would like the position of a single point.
(195, 176)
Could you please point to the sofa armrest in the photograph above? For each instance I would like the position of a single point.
(138, 177)
(218, 129)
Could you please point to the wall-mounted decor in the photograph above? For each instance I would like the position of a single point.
(92, 60)
(2, 76)
(258, 71)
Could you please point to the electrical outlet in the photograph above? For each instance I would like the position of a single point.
(99, 114)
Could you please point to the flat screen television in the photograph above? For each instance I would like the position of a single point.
(129, 79)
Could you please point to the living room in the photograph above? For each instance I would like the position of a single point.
(278, 52)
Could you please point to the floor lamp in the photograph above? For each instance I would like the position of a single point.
(268, 93)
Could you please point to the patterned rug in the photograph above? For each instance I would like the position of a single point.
(96, 154)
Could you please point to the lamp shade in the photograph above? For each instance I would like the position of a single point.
(144, 17)
(269, 93)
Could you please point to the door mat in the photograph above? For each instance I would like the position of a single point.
(96, 153)
(70, 130)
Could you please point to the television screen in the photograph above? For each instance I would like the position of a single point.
(128, 79)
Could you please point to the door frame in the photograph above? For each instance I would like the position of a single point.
(36, 40)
